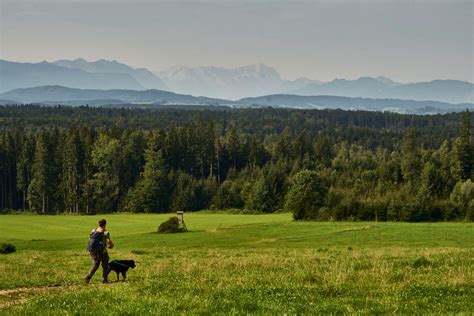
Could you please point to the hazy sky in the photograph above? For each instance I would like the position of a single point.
(403, 40)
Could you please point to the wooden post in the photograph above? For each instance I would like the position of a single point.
(182, 225)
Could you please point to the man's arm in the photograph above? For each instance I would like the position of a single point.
(109, 241)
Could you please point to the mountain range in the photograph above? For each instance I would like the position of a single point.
(220, 83)
(452, 91)
(77, 73)
(50, 95)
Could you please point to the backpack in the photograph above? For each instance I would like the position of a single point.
(96, 242)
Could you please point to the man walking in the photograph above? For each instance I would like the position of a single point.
(99, 240)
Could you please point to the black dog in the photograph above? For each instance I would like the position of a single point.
(121, 266)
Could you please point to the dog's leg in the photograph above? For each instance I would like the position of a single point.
(124, 276)
(117, 276)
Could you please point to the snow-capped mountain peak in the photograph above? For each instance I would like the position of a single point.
(220, 82)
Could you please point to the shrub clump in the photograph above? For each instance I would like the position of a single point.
(7, 248)
(421, 262)
(170, 226)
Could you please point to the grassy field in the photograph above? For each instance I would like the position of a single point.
(239, 264)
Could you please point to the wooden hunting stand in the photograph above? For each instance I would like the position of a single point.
(181, 225)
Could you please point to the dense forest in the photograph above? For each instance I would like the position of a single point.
(318, 164)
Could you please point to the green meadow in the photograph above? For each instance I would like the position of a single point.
(238, 264)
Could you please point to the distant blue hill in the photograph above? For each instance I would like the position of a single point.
(73, 96)
(137, 98)
(337, 102)
(451, 91)
(24, 75)
(143, 76)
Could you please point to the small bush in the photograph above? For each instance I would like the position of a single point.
(170, 226)
(421, 262)
(7, 248)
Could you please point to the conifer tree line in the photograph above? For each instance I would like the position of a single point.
(323, 165)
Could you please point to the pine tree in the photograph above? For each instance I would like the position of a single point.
(323, 151)
(87, 137)
(24, 169)
(443, 155)
(41, 187)
(130, 161)
(234, 147)
(184, 193)
(258, 155)
(269, 189)
(428, 186)
(463, 150)
(8, 194)
(72, 171)
(410, 161)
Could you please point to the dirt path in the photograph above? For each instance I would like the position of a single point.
(20, 295)
(6, 292)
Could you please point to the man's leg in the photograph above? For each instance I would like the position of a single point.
(95, 266)
(105, 267)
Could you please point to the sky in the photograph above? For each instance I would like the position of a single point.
(406, 41)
